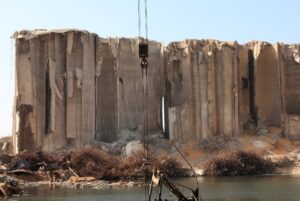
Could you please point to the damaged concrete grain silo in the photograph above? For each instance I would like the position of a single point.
(276, 71)
(289, 61)
(205, 89)
(73, 87)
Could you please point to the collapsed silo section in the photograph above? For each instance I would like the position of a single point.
(205, 80)
(54, 89)
(119, 88)
(187, 99)
(80, 87)
(289, 59)
(35, 97)
(245, 89)
(106, 90)
(232, 88)
(24, 93)
(179, 100)
(227, 89)
(267, 85)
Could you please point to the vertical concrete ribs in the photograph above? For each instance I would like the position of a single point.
(73, 87)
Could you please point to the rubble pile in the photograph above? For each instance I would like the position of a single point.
(32, 161)
(86, 162)
(170, 166)
(9, 189)
(238, 163)
(95, 162)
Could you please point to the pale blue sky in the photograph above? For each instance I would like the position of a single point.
(169, 20)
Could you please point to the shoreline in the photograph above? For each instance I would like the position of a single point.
(97, 169)
(22, 182)
(120, 184)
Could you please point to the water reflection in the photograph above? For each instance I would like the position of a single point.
(272, 188)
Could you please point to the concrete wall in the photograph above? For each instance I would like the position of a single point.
(276, 86)
(267, 84)
(205, 80)
(73, 87)
(119, 99)
(289, 57)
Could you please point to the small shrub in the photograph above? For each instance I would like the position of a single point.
(169, 166)
(238, 163)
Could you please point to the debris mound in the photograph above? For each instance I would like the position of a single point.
(88, 162)
(169, 166)
(29, 160)
(9, 189)
(136, 166)
(238, 163)
(95, 162)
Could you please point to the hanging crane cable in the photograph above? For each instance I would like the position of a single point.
(143, 42)
(143, 55)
